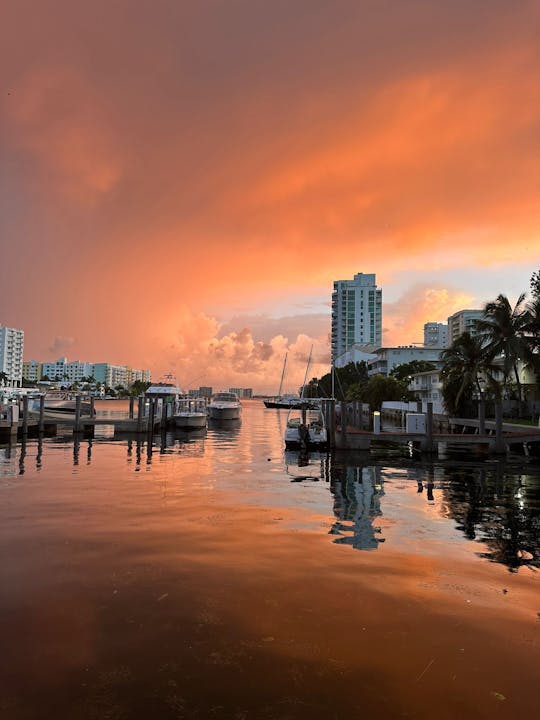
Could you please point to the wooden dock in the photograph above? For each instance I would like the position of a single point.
(348, 429)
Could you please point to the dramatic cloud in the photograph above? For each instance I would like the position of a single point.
(236, 359)
(227, 157)
(404, 319)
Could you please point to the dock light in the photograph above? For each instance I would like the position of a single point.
(376, 422)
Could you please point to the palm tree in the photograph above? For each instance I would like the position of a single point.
(532, 323)
(504, 331)
(532, 329)
(465, 363)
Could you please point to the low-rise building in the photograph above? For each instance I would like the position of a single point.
(387, 358)
(357, 353)
(435, 334)
(32, 371)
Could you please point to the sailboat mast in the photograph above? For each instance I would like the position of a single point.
(307, 369)
(282, 374)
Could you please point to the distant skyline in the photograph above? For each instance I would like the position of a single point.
(181, 183)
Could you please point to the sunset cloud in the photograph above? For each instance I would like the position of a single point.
(229, 158)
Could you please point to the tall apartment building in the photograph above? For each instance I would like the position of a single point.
(11, 354)
(435, 334)
(463, 321)
(356, 313)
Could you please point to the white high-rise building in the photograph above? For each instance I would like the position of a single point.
(11, 355)
(435, 334)
(463, 321)
(356, 314)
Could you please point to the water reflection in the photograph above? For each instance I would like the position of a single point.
(495, 504)
(498, 507)
(490, 503)
(357, 495)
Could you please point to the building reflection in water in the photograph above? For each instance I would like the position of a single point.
(357, 495)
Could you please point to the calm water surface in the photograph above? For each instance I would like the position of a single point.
(219, 577)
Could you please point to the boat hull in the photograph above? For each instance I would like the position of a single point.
(315, 441)
(190, 421)
(223, 413)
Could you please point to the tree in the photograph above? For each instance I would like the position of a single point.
(345, 377)
(535, 284)
(139, 387)
(377, 389)
(3, 377)
(405, 370)
(504, 330)
(465, 362)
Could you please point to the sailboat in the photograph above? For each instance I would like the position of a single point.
(283, 401)
(306, 427)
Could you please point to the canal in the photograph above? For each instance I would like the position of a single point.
(217, 576)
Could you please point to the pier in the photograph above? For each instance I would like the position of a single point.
(350, 427)
(16, 421)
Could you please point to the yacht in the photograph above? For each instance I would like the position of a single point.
(190, 414)
(224, 406)
(58, 405)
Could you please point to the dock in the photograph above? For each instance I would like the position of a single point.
(351, 428)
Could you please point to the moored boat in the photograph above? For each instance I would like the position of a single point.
(224, 406)
(60, 406)
(306, 429)
(190, 414)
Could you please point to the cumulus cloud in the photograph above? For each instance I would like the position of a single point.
(237, 359)
(404, 319)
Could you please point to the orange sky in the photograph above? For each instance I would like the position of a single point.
(181, 182)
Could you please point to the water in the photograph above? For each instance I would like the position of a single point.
(219, 577)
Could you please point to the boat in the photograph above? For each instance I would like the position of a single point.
(306, 429)
(224, 406)
(283, 401)
(60, 406)
(190, 414)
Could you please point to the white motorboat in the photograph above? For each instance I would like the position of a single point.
(306, 429)
(60, 406)
(190, 414)
(224, 406)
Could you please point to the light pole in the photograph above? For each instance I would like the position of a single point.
(481, 408)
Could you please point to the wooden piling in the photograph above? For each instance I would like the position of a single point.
(343, 418)
(429, 427)
(140, 413)
(25, 415)
(77, 427)
(151, 411)
(131, 403)
(41, 423)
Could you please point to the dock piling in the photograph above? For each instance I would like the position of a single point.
(77, 427)
(25, 415)
(41, 422)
